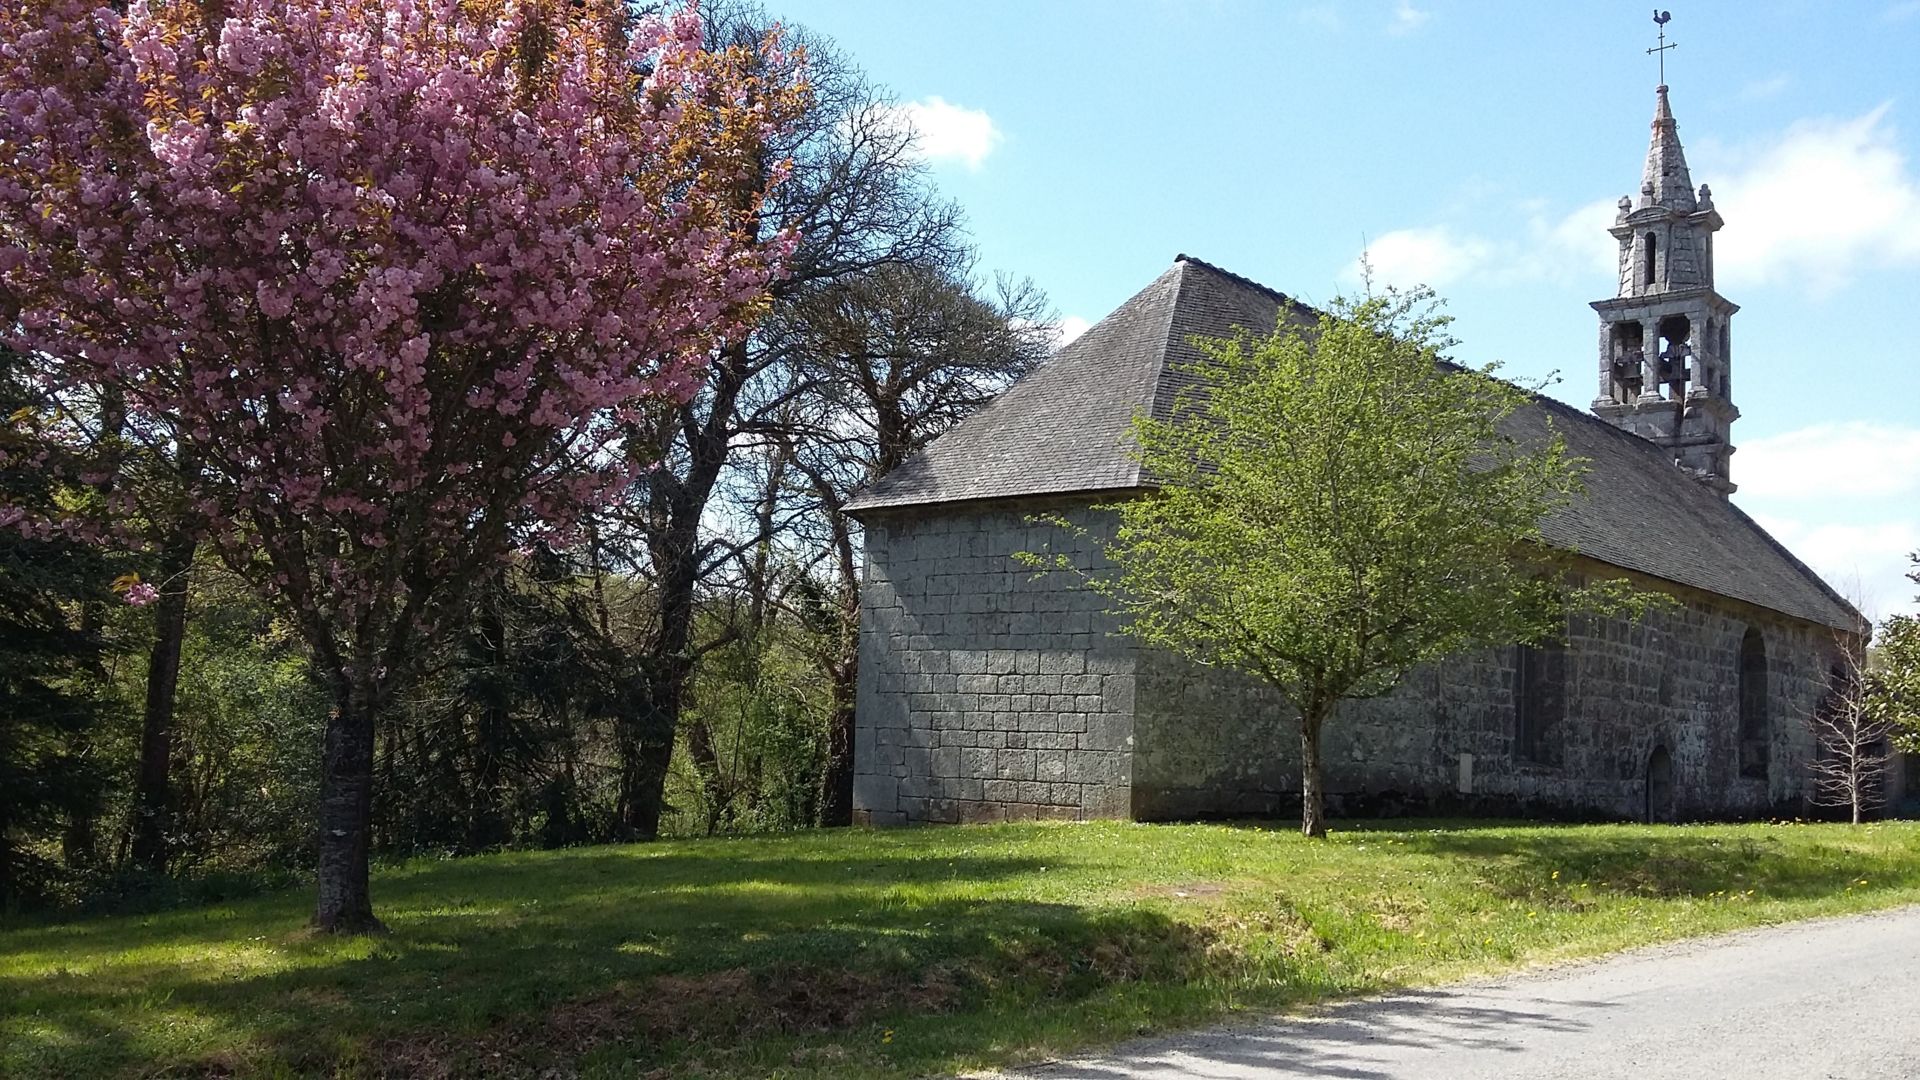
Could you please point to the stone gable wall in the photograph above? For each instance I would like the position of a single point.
(985, 694)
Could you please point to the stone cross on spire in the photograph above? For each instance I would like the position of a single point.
(1660, 20)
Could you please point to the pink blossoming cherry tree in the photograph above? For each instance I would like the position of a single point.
(390, 273)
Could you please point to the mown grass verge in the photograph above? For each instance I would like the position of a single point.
(867, 954)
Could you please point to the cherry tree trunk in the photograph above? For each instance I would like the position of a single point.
(344, 904)
(153, 793)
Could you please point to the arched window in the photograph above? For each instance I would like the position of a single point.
(1653, 257)
(1539, 701)
(1753, 704)
(1659, 786)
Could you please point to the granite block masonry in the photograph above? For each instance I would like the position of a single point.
(988, 693)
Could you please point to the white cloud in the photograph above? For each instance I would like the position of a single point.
(944, 131)
(1813, 204)
(1763, 89)
(1867, 564)
(1319, 16)
(1407, 18)
(1842, 496)
(1058, 333)
(1432, 256)
(1856, 459)
(1068, 328)
(1816, 203)
(1575, 245)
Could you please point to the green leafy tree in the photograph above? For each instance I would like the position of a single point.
(1894, 686)
(1337, 504)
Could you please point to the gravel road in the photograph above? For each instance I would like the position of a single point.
(1836, 998)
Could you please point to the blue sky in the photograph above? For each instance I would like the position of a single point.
(1479, 148)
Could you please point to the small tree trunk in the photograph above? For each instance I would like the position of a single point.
(345, 905)
(706, 763)
(654, 721)
(7, 859)
(487, 825)
(646, 756)
(837, 802)
(153, 797)
(1313, 810)
(836, 807)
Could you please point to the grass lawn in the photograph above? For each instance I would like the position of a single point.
(884, 954)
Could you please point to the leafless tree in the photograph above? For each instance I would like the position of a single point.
(890, 359)
(1853, 734)
(860, 202)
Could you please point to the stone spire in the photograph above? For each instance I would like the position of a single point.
(1666, 346)
(1666, 181)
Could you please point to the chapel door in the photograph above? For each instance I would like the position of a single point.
(1659, 785)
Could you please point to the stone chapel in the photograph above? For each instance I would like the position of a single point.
(986, 693)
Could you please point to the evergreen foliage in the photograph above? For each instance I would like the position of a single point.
(49, 664)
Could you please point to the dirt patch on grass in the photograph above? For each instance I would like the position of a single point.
(1129, 947)
(719, 1008)
(1192, 890)
(687, 1017)
(1284, 927)
(1398, 912)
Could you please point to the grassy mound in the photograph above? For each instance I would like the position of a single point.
(868, 954)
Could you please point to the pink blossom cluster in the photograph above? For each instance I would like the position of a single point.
(140, 594)
(390, 272)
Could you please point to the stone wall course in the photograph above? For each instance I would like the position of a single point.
(1031, 704)
(1015, 685)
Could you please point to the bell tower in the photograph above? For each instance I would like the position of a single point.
(1666, 357)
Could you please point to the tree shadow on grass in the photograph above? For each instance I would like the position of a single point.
(1545, 862)
(518, 965)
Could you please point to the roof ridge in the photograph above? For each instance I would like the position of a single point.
(1597, 423)
(1554, 404)
(1832, 593)
(1241, 279)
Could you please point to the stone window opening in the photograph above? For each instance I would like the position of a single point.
(1753, 705)
(1652, 250)
(1675, 336)
(1629, 360)
(1539, 701)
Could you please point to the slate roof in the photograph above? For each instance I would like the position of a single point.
(1062, 429)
